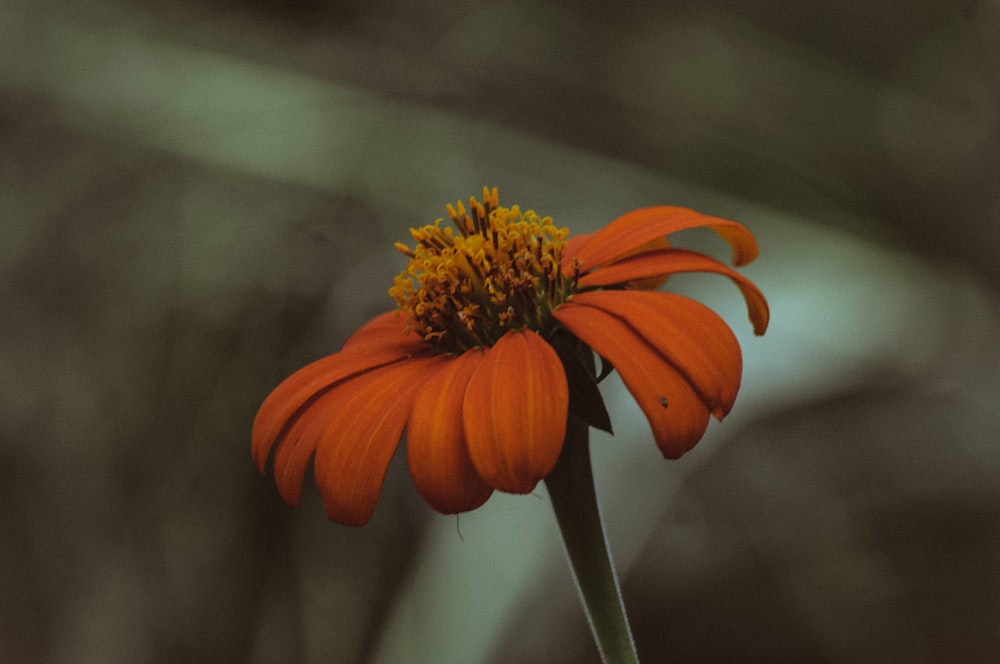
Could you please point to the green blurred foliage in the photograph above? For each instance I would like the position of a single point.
(198, 198)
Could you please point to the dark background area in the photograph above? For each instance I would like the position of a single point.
(197, 198)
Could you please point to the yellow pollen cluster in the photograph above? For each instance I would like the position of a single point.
(499, 272)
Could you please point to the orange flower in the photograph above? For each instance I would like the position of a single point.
(489, 352)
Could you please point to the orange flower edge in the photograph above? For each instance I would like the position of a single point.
(515, 411)
(485, 358)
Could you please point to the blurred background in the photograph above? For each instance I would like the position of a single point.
(199, 197)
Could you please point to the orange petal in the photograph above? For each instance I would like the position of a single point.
(689, 335)
(385, 329)
(364, 421)
(296, 448)
(375, 344)
(435, 440)
(675, 412)
(515, 412)
(672, 261)
(637, 227)
(651, 283)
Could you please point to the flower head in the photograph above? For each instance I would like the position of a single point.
(490, 351)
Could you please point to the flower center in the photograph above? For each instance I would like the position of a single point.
(500, 272)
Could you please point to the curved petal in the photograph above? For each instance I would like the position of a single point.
(363, 425)
(379, 344)
(672, 261)
(388, 328)
(676, 413)
(637, 227)
(435, 440)
(295, 449)
(654, 282)
(515, 412)
(689, 335)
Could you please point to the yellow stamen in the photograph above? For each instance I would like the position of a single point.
(500, 272)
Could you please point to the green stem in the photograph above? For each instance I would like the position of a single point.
(571, 489)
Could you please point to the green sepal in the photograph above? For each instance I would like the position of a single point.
(606, 369)
(585, 400)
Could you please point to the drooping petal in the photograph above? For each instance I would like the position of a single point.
(676, 413)
(673, 261)
(296, 447)
(435, 440)
(515, 411)
(381, 341)
(364, 422)
(637, 227)
(690, 337)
